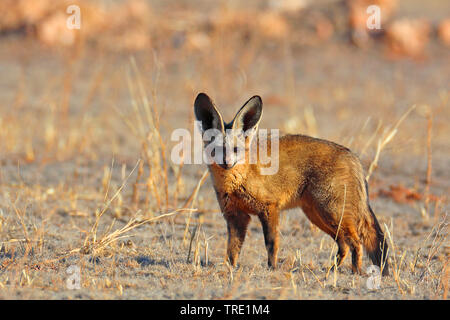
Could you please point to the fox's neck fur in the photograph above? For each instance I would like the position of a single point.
(252, 191)
(230, 180)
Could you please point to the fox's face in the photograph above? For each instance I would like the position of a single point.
(227, 144)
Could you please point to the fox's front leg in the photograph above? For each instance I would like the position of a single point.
(237, 227)
(269, 221)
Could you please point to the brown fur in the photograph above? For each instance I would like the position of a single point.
(324, 179)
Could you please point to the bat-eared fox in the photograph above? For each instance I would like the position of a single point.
(323, 178)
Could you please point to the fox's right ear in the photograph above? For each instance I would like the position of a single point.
(249, 115)
(207, 114)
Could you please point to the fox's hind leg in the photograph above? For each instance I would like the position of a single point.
(342, 251)
(357, 251)
(237, 224)
(270, 222)
(357, 254)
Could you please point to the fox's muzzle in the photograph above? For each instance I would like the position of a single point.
(227, 166)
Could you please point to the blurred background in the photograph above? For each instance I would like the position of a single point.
(305, 57)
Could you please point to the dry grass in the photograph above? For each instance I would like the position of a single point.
(387, 136)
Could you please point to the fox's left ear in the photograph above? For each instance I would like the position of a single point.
(249, 115)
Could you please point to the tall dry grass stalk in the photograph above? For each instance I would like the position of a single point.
(440, 232)
(435, 240)
(145, 126)
(191, 201)
(429, 165)
(387, 137)
(395, 265)
(370, 140)
(91, 237)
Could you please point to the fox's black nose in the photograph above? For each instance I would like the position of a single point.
(226, 166)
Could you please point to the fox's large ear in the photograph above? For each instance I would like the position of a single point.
(207, 114)
(249, 115)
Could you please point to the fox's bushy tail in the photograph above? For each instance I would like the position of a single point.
(375, 241)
